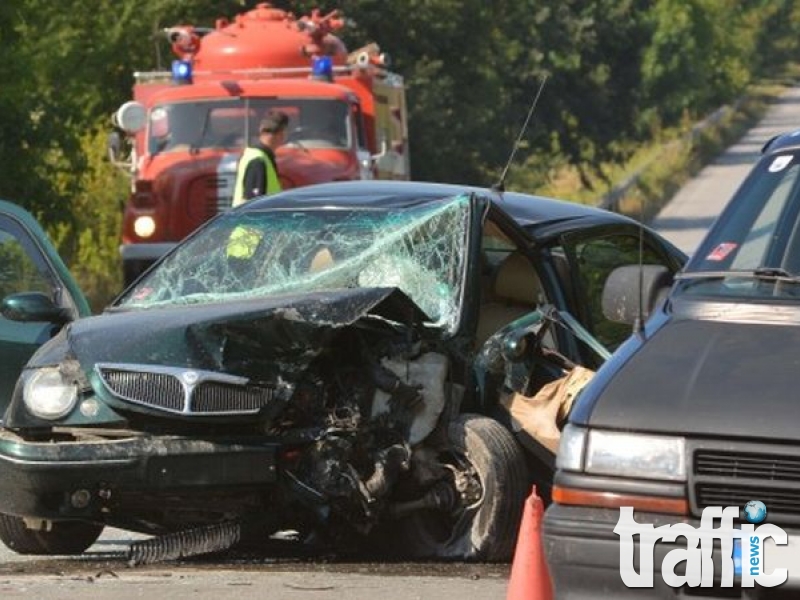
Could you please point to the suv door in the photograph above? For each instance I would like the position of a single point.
(29, 263)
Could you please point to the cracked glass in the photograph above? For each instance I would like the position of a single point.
(419, 248)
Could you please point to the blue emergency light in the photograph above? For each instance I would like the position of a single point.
(181, 71)
(322, 68)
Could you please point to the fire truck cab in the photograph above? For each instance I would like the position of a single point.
(185, 129)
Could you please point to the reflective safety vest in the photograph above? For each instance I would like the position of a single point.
(273, 183)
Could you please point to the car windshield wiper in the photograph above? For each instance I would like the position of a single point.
(765, 273)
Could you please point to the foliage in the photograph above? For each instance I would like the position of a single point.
(92, 238)
(620, 73)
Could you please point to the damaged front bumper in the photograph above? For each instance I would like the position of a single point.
(80, 479)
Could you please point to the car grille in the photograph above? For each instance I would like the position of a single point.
(758, 472)
(785, 502)
(218, 397)
(153, 389)
(747, 466)
(209, 195)
(185, 391)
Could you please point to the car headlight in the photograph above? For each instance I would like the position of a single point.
(144, 226)
(570, 450)
(48, 395)
(635, 455)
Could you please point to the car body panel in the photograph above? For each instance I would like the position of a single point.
(30, 262)
(716, 362)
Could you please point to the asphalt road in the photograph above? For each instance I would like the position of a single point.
(104, 573)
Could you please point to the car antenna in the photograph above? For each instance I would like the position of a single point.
(500, 186)
(638, 323)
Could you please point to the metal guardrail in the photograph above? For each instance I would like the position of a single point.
(610, 200)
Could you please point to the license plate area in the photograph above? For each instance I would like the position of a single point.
(243, 467)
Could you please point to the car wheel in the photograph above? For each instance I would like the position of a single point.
(492, 481)
(64, 537)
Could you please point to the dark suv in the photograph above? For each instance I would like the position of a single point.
(698, 409)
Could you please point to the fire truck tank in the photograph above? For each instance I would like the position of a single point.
(267, 37)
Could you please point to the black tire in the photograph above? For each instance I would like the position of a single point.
(64, 538)
(486, 531)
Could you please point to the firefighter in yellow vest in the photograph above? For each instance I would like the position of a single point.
(257, 173)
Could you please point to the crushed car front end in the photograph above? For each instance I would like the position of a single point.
(289, 369)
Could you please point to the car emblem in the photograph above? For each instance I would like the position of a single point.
(190, 377)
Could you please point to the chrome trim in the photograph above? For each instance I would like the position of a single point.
(189, 379)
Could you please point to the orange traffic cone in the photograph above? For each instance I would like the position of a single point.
(530, 579)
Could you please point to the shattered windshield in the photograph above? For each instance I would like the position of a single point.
(421, 249)
(753, 250)
(233, 123)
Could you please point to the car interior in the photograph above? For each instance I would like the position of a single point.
(514, 290)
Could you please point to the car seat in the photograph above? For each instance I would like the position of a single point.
(516, 292)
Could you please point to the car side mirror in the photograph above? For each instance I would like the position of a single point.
(624, 287)
(33, 307)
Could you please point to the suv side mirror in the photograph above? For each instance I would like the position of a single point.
(621, 292)
(27, 307)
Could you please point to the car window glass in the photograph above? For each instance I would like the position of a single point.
(495, 245)
(228, 123)
(420, 250)
(760, 226)
(596, 259)
(760, 229)
(18, 272)
(756, 243)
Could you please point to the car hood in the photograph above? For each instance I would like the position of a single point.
(708, 378)
(258, 337)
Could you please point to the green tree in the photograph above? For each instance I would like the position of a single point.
(698, 56)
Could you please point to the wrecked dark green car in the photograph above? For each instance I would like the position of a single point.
(349, 361)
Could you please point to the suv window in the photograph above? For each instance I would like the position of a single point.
(756, 241)
(761, 227)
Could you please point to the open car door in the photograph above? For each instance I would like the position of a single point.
(37, 293)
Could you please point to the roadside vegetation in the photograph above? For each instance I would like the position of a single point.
(658, 168)
(626, 82)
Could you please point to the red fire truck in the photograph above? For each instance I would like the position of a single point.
(184, 130)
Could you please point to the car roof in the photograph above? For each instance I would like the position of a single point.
(784, 141)
(530, 211)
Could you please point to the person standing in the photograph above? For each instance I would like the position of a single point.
(257, 171)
